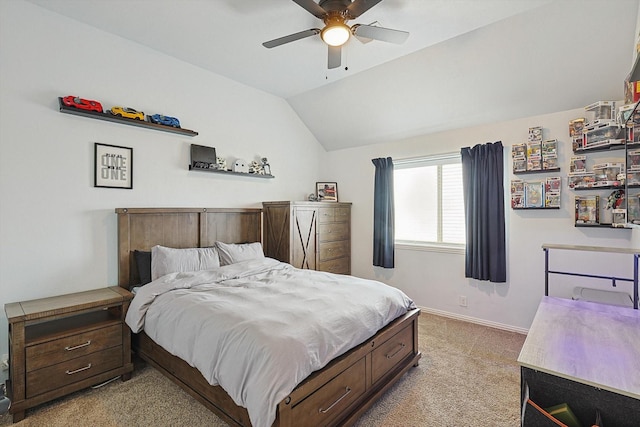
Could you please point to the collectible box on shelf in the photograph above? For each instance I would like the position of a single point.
(587, 210)
(633, 208)
(550, 162)
(534, 194)
(535, 134)
(603, 133)
(550, 154)
(550, 147)
(606, 174)
(633, 134)
(619, 217)
(580, 179)
(552, 200)
(578, 164)
(633, 177)
(534, 156)
(624, 113)
(517, 193)
(601, 111)
(519, 157)
(552, 191)
(634, 159)
(576, 126)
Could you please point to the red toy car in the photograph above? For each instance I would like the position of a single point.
(83, 104)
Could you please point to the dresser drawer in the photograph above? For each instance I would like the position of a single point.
(390, 353)
(333, 250)
(62, 374)
(334, 215)
(324, 405)
(338, 265)
(63, 349)
(333, 231)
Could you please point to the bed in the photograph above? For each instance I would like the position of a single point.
(337, 394)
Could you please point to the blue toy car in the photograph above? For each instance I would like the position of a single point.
(164, 120)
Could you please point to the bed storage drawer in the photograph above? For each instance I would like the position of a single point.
(392, 352)
(63, 349)
(324, 405)
(61, 374)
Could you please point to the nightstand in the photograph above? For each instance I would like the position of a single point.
(62, 344)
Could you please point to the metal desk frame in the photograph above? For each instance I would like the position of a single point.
(613, 279)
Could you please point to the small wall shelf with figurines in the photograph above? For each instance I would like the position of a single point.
(204, 159)
(536, 156)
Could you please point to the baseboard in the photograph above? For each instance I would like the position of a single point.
(470, 319)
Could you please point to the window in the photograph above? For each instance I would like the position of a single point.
(429, 205)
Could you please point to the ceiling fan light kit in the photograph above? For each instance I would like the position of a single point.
(336, 32)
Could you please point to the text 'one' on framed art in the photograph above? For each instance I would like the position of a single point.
(113, 166)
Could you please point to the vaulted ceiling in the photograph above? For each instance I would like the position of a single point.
(465, 63)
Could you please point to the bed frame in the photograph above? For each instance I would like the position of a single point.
(335, 395)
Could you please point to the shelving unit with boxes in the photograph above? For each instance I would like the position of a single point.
(536, 156)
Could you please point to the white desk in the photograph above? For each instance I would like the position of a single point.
(588, 344)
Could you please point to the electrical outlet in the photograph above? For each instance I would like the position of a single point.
(462, 300)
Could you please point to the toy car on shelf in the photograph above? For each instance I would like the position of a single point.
(127, 112)
(82, 104)
(164, 120)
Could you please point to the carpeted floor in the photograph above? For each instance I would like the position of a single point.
(468, 376)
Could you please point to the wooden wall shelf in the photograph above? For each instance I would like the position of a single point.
(252, 175)
(123, 120)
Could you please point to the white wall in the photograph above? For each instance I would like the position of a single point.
(57, 232)
(436, 280)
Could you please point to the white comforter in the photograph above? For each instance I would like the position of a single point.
(258, 328)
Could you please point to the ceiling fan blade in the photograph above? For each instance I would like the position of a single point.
(335, 56)
(380, 33)
(312, 7)
(291, 38)
(358, 7)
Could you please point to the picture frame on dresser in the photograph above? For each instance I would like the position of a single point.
(113, 166)
(327, 191)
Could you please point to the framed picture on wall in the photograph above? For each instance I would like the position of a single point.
(327, 191)
(113, 166)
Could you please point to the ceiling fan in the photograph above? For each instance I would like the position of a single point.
(336, 32)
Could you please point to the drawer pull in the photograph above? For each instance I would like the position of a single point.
(347, 390)
(402, 346)
(75, 347)
(78, 370)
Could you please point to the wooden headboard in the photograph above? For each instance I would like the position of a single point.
(142, 228)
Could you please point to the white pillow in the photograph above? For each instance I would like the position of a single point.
(230, 253)
(169, 260)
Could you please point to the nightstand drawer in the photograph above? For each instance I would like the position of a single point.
(63, 349)
(62, 374)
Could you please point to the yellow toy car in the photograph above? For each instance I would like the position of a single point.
(127, 112)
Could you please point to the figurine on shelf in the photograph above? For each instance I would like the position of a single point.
(265, 166)
(256, 168)
(615, 199)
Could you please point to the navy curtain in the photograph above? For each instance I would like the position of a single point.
(482, 180)
(383, 214)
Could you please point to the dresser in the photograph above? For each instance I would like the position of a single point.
(62, 344)
(309, 235)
